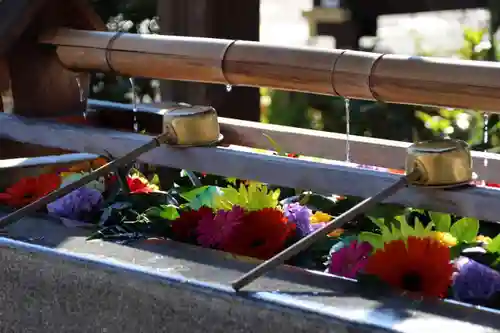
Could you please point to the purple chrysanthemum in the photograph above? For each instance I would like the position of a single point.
(301, 216)
(474, 281)
(76, 204)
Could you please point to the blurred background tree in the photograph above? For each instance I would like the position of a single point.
(367, 118)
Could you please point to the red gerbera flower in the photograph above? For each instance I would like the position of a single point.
(260, 234)
(422, 265)
(30, 189)
(184, 227)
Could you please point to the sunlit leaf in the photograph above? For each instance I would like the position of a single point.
(442, 221)
(374, 239)
(494, 245)
(465, 229)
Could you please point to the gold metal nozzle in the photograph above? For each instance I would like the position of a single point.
(440, 163)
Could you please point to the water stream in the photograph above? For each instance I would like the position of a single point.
(347, 129)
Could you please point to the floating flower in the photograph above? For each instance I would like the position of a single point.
(301, 216)
(445, 238)
(474, 281)
(261, 234)
(422, 265)
(350, 259)
(212, 230)
(184, 227)
(138, 184)
(30, 189)
(77, 204)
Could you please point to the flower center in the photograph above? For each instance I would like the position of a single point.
(257, 243)
(411, 281)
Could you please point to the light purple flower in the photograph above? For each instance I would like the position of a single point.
(474, 281)
(301, 216)
(349, 260)
(76, 204)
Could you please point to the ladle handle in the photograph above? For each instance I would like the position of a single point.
(102, 171)
(307, 241)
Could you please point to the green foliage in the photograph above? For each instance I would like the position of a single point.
(390, 231)
(253, 197)
(442, 221)
(465, 230)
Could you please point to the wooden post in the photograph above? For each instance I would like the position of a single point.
(41, 87)
(220, 19)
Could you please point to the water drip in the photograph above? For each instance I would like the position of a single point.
(134, 103)
(229, 87)
(347, 129)
(486, 137)
(82, 94)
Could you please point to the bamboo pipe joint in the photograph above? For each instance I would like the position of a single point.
(352, 74)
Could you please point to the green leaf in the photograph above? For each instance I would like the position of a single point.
(404, 228)
(465, 229)
(169, 212)
(396, 232)
(374, 239)
(202, 196)
(155, 180)
(275, 145)
(379, 222)
(442, 221)
(419, 228)
(494, 245)
(387, 235)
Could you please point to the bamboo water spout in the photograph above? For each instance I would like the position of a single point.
(351, 74)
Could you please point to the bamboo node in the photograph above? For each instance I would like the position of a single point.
(108, 50)
(222, 60)
(332, 72)
(370, 78)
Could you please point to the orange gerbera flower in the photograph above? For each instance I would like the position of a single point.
(422, 265)
(260, 234)
(30, 189)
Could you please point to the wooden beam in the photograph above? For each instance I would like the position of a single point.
(320, 175)
(363, 150)
(40, 161)
(40, 85)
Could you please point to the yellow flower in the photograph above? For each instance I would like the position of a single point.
(445, 238)
(319, 217)
(484, 239)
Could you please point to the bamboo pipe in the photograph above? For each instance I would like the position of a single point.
(351, 74)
